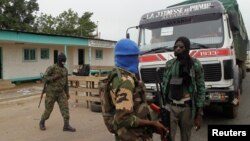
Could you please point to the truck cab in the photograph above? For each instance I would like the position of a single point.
(208, 26)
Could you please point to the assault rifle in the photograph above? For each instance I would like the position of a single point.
(161, 109)
(44, 88)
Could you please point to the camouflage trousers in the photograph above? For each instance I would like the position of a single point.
(136, 139)
(61, 99)
(133, 135)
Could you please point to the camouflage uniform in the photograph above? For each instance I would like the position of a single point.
(56, 91)
(127, 94)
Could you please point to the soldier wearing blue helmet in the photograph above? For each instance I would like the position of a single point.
(126, 55)
(130, 117)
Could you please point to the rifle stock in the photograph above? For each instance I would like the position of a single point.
(41, 97)
(161, 109)
(43, 91)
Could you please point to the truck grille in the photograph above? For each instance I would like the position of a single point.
(149, 74)
(212, 72)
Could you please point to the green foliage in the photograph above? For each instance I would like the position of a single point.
(21, 15)
(86, 25)
(18, 14)
(46, 24)
(67, 23)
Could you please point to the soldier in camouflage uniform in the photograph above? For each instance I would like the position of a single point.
(184, 88)
(56, 78)
(131, 118)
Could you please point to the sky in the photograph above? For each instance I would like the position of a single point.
(115, 16)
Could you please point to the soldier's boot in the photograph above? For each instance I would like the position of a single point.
(42, 125)
(67, 127)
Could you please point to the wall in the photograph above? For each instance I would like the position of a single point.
(108, 57)
(14, 66)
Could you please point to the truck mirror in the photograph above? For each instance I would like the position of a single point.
(127, 35)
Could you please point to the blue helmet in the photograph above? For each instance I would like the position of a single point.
(126, 47)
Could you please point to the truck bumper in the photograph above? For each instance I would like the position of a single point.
(221, 96)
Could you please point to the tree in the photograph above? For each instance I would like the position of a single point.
(46, 24)
(18, 14)
(87, 27)
(21, 15)
(67, 23)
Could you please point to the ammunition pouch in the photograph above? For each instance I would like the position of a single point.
(176, 88)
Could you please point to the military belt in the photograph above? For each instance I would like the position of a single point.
(187, 103)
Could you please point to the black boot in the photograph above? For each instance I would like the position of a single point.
(42, 125)
(67, 127)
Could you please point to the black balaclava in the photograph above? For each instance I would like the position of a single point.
(61, 59)
(185, 54)
(185, 60)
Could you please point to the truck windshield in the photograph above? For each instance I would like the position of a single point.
(208, 33)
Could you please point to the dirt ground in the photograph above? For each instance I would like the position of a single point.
(20, 116)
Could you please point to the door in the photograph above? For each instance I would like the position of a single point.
(55, 56)
(81, 57)
(1, 67)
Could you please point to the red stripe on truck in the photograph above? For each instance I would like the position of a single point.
(211, 53)
(152, 58)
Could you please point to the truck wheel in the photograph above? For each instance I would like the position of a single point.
(231, 111)
(241, 80)
(95, 107)
(243, 70)
(237, 79)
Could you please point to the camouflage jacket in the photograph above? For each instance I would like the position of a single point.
(197, 86)
(59, 84)
(128, 96)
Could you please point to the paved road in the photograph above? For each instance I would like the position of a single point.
(19, 121)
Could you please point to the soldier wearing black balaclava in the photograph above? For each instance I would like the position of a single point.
(182, 47)
(56, 78)
(184, 89)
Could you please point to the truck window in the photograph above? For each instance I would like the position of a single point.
(208, 32)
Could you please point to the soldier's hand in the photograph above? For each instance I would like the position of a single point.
(68, 96)
(160, 128)
(56, 77)
(197, 122)
(198, 119)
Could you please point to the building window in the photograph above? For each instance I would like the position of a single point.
(44, 53)
(98, 54)
(29, 54)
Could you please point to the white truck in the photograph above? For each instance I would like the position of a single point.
(218, 36)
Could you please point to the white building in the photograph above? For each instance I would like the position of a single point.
(24, 55)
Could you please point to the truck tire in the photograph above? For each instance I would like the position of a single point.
(231, 111)
(96, 107)
(243, 70)
(237, 80)
(241, 77)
